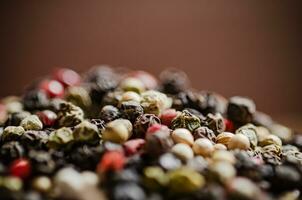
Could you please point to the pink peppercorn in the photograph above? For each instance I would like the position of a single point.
(156, 128)
(147, 79)
(111, 160)
(133, 146)
(67, 77)
(167, 116)
(52, 88)
(229, 125)
(47, 117)
(20, 168)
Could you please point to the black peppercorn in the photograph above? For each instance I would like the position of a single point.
(142, 123)
(42, 162)
(99, 123)
(131, 110)
(35, 100)
(109, 113)
(10, 151)
(214, 122)
(14, 119)
(34, 139)
(174, 81)
(204, 132)
(241, 110)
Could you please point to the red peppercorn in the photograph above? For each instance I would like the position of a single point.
(167, 116)
(20, 168)
(52, 88)
(147, 79)
(229, 125)
(47, 117)
(133, 146)
(111, 160)
(67, 77)
(156, 128)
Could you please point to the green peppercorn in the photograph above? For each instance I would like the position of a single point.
(271, 139)
(60, 138)
(155, 102)
(155, 178)
(249, 131)
(86, 132)
(79, 96)
(186, 120)
(12, 133)
(185, 180)
(69, 114)
(32, 122)
(132, 84)
(13, 184)
(118, 131)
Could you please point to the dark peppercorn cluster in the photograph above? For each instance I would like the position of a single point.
(124, 135)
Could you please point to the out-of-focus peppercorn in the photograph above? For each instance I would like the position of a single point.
(112, 160)
(203, 147)
(119, 131)
(250, 131)
(20, 168)
(215, 122)
(34, 139)
(69, 115)
(131, 110)
(130, 96)
(35, 100)
(133, 146)
(186, 120)
(283, 132)
(155, 178)
(184, 180)
(12, 183)
(14, 119)
(142, 123)
(11, 151)
(149, 81)
(47, 117)
(224, 138)
(42, 184)
(60, 137)
(132, 84)
(243, 188)
(12, 133)
(52, 88)
(271, 139)
(223, 171)
(182, 151)
(204, 132)
(182, 135)
(86, 132)
(155, 102)
(174, 81)
(240, 110)
(167, 116)
(169, 161)
(229, 125)
(158, 142)
(32, 122)
(239, 141)
(67, 77)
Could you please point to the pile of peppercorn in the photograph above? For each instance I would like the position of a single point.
(124, 135)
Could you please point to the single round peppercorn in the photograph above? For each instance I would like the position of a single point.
(174, 81)
(79, 96)
(142, 123)
(133, 146)
(182, 151)
(86, 132)
(12, 133)
(203, 147)
(131, 110)
(239, 141)
(229, 125)
(119, 131)
(186, 120)
(112, 160)
(146, 78)
(155, 178)
(109, 113)
(250, 131)
(47, 117)
(130, 96)
(10, 151)
(35, 100)
(20, 168)
(52, 88)
(204, 132)
(67, 77)
(224, 138)
(214, 122)
(167, 116)
(42, 184)
(182, 135)
(69, 114)
(32, 122)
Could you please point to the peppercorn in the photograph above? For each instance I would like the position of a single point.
(130, 96)
(99, 123)
(167, 116)
(42, 162)
(34, 139)
(214, 122)
(223, 171)
(127, 191)
(157, 128)
(14, 119)
(133, 146)
(185, 180)
(226, 156)
(12, 133)
(250, 131)
(60, 137)
(112, 98)
(47, 117)
(158, 142)
(186, 120)
(149, 81)
(203, 147)
(12, 104)
(112, 160)
(284, 133)
(182, 151)
(86, 132)
(219, 146)
(32, 122)
(204, 132)
(131, 110)
(119, 131)
(155, 102)
(142, 123)
(240, 110)
(224, 138)
(198, 163)
(20, 168)
(182, 135)
(169, 161)
(35, 100)
(132, 84)
(271, 154)
(271, 139)
(155, 178)
(69, 114)
(11, 151)
(173, 81)
(42, 184)
(229, 125)
(239, 141)
(243, 188)
(67, 77)
(78, 96)
(52, 88)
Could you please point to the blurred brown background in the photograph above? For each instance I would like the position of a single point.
(251, 48)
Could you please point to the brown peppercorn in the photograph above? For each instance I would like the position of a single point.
(203, 147)
(239, 141)
(214, 122)
(142, 123)
(204, 132)
(182, 135)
